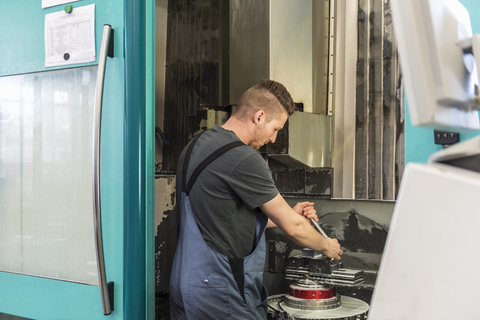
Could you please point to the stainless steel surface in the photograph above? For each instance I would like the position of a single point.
(344, 277)
(392, 145)
(368, 106)
(285, 52)
(305, 304)
(322, 68)
(344, 93)
(96, 171)
(350, 76)
(331, 54)
(291, 47)
(249, 28)
(319, 229)
(375, 117)
(307, 142)
(322, 270)
(350, 309)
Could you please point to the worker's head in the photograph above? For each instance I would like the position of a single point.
(267, 105)
(268, 95)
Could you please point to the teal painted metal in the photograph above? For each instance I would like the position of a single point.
(38, 298)
(150, 157)
(136, 160)
(21, 38)
(419, 142)
(22, 32)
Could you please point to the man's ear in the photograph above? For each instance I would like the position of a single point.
(259, 117)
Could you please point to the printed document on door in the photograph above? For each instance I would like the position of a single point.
(70, 37)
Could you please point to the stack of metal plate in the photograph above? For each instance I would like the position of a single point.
(321, 269)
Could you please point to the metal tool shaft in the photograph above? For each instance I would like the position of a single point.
(319, 229)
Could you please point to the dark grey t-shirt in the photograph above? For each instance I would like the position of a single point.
(226, 196)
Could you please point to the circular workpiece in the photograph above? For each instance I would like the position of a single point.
(309, 300)
(350, 309)
(310, 290)
(308, 295)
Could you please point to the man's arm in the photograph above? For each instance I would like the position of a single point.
(303, 208)
(271, 224)
(299, 229)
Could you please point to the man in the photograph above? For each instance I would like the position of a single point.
(224, 208)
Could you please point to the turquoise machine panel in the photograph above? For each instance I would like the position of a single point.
(22, 42)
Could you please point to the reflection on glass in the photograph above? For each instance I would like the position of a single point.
(46, 223)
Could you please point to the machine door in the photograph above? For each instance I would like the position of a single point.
(60, 158)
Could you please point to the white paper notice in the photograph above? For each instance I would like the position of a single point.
(70, 37)
(51, 3)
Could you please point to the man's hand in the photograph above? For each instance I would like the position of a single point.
(306, 209)
(298, 226)
(332, 249)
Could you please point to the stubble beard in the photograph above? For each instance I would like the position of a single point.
(256, 141)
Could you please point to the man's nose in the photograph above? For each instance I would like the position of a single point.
(273, 137)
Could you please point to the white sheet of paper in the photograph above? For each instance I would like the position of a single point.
(51, 3)
(70, 37)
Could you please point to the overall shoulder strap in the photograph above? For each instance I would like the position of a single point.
(217, 153)
(186, 160)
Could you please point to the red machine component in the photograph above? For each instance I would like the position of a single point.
(316, 292)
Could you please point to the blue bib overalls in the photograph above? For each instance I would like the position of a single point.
(205, 284)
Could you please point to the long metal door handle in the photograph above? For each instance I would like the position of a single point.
(106, 47)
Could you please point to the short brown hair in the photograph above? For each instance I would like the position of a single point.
(267, 95)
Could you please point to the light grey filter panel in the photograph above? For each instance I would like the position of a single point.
(46, 219)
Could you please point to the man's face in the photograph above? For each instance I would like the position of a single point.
(267, 131)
